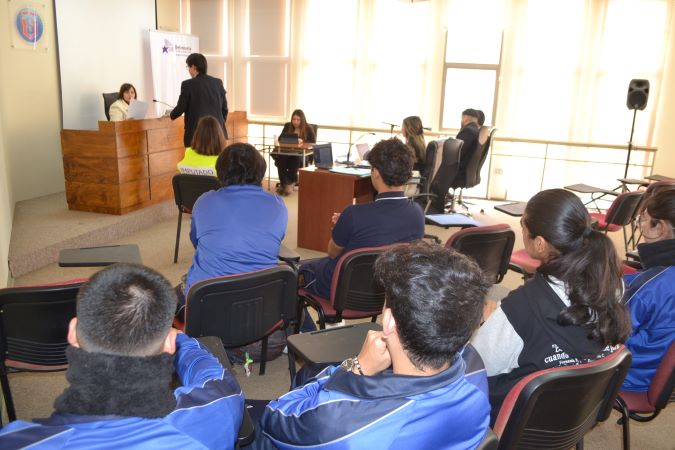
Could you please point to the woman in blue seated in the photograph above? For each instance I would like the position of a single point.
(650, 294)
(287, 165)
(239, 227)
(570, 312)
(207, 143)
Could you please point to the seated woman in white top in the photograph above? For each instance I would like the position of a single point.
(569, 313)
(207, 143)
(119, 109)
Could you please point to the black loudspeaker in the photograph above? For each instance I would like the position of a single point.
(638, 93)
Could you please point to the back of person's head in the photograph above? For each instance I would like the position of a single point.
(653, 188)
(436, 298)
(471, 113)
(125, 309)
(125, 87)
(480, 118)
(661, 206)
(208, 138)
(413, 130)
(393, 160)
(240, 164)
(584, 259)
(198, 60)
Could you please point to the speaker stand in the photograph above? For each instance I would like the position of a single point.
(630, 144)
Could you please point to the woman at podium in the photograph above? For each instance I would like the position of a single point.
(207, 143)
(120, 108)
(287, 165)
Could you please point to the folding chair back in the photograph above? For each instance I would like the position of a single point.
(554, 408)
(490, 247)
(353, 286)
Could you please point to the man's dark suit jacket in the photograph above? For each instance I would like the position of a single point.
(468, 134)
(200, 96)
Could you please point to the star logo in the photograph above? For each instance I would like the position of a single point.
(165, 49)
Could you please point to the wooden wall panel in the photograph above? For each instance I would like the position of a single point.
(132, 168)
(165, 162)
(161, 188)
(87, 144)
(131, 144)
(91, 170)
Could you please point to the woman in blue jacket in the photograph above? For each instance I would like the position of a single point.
(650, 294)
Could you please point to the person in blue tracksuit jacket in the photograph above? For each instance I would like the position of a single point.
(122, 355)
(411, 385)
(650, 294)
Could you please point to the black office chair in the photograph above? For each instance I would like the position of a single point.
(354, 294)
(442, 164)
(186, 191)
(108, 100)
(471, 177)
(554, 408)
(33, 331)
(489, 246)
(243, 309)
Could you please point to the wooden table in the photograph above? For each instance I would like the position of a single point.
(323, 193)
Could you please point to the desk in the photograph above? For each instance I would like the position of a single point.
(323, 193)
(660, 178)
(586, 189)
(99, 256)
(515, 209)
(304, 150)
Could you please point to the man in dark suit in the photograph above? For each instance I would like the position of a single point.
(469, 134)
(200, 96)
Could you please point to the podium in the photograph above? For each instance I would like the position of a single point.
(128, 165)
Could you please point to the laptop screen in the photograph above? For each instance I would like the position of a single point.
(363, 150)
(323, 155)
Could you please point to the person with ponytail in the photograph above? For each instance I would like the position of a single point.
(650, 294)
(413, 133)
(570, 312)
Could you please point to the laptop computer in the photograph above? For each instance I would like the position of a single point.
(323, 156)
(363, 150)
(288, 138)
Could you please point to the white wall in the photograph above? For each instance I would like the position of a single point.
(102, 44)
(664, 129)
(30, 111)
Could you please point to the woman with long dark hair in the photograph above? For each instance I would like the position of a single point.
(120, 108)
(570, 312)
(287, 165)
(650, 294)
(207, 143)
(413, 133)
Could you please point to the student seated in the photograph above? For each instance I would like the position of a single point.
(390, 219)
(121, 357)
(413, 133)
(239, 227)
(207, 143)
(650, 294)
(414, 384)
(570, 312)
(469, 135)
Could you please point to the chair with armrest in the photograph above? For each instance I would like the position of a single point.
(645, 406)
(108, 99)
(186, 191)
(242, 309)
(471, 177)
(523, 263)
(354, 294)
(442, 164)
(33, 330)
(623, 211)
(489, 246)
(309, 160)
(554, 408)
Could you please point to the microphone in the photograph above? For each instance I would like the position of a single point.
(391, 124)
(349, 151)
(163, 103)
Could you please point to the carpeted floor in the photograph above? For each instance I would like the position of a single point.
(34, 393)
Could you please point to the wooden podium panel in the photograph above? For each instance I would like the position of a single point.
(128, 165)
(323, 193)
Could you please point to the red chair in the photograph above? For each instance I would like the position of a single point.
(554, 408)
(33, 330)
(353, 293)
(489, 246)
(633, 405)
(523, 263)
(623, 211)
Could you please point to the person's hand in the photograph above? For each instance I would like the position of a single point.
(335, 218)
(374, 356)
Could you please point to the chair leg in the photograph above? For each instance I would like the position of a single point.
(580, 444)
(625, 422)
(291, 360)
(373, 319)
(9, 402)
(180, 221)
(263, 356)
